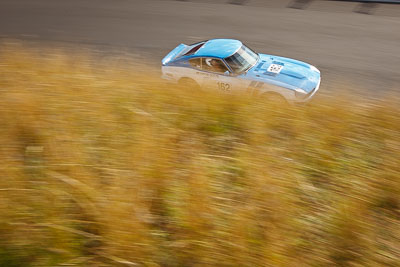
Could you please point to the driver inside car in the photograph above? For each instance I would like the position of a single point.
(215, 65)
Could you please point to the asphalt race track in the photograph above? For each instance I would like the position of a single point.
(348, 48)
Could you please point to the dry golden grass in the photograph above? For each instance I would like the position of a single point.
(105, 165)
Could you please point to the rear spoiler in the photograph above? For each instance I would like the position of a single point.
(176, 52)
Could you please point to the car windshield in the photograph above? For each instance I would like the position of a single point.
(242, 60)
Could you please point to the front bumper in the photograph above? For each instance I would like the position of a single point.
(310, 95)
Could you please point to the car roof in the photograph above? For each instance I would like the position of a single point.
(219, 48)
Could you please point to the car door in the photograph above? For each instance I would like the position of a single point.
(217, 75)
(196, 72)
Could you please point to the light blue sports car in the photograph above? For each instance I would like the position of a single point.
(230, 66)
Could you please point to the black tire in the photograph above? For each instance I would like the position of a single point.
(189, 84)
(274, 99)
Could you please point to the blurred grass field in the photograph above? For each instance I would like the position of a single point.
(103, 164)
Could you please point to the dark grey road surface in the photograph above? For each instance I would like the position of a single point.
(349, 48)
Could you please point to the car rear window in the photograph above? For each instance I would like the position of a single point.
(193, 49)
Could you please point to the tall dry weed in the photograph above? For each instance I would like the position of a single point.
(104, 164)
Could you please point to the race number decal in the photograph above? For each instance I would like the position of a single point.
(225, 87)
(275, 68)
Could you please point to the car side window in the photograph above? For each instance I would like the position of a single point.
(195, 63)
(213, 65)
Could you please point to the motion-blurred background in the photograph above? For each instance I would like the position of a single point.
(104, 164)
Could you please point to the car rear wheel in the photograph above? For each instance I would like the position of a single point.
(189, 84)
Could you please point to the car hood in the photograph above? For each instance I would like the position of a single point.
(288, 73)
